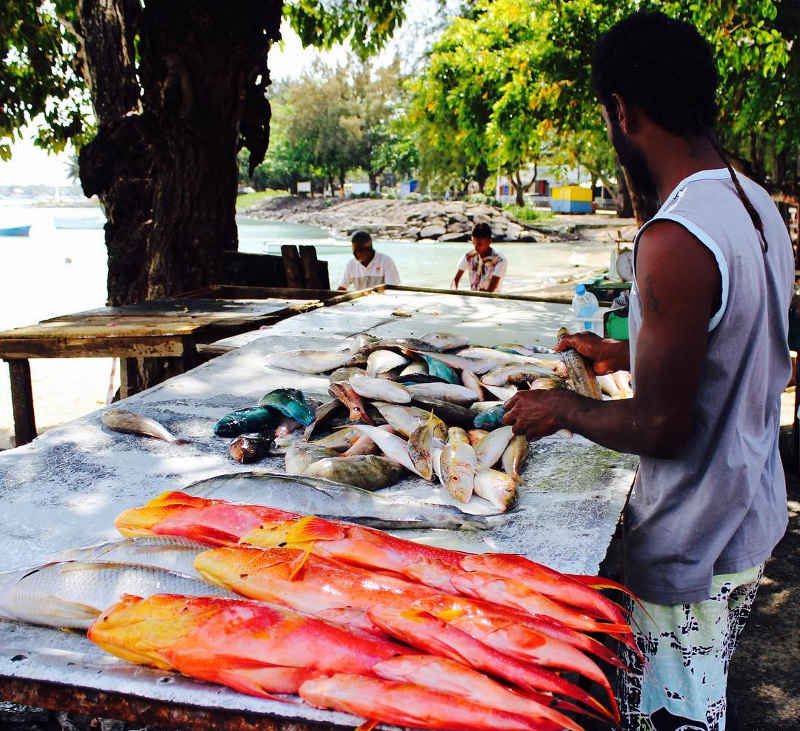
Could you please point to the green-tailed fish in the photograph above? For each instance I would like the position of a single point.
(367, 471)
(74, 593)
(490, 448)
(316, 496)
(290, 402)
(490, 419)
(458, 465)
(128, 422)
(437, 368)
(497, 487)
(515, 455)
(244, 421)
(159, 552)
(381, 389)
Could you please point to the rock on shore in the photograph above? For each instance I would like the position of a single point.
(395, 219)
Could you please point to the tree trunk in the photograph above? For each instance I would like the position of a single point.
(373, 181)
(163, 161)
(516, 181)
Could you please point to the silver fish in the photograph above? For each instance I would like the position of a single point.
(381, 361)
(444, 391)
(515, 455)
(381, 389)
(472, 382)
(498, 488)
(609, 386)
(74, 593)
(582, 379)
(445, 341)
(501, 392)
(161, 552)
(411, 369)
(391, 445)
(515, 374)
(490, 449)
(299, 457)
(340, 440)
(343, 374)
(310, 361)
(367, 471)
(420, 444)
(503, 357)
(325, 498)
(458, 465)
(404, 419)
(322, 415)
(128, 422)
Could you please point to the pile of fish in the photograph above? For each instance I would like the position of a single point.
(269, 601)
(430, 406)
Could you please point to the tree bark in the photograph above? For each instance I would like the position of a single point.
(163, 162)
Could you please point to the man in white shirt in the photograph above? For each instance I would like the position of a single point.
(485, 266)
(368, 268)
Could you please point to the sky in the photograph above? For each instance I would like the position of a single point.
(288, 59)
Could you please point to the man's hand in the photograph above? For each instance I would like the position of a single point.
(606, 355)
(536, 413)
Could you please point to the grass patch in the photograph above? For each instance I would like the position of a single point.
(526, 213)
(245, 200)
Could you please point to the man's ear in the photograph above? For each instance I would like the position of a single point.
(626, 115)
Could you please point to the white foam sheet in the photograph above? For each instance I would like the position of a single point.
(66, 487)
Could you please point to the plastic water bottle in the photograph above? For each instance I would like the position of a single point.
(587, 310)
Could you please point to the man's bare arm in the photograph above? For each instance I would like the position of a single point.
(457, 278)
(494, 283)
(679, 286)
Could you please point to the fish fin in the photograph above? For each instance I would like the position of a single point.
(62, 609)
(175, 497)
(313, 528)
(447, 615)
(298, 563)
(368, 726)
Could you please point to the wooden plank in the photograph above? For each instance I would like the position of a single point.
(98, 346)
(253, 269)
(236, 292)
(488, 295)
(292, 266)
(324, 276)
(144, 711)
(308, 258)
(22, 401)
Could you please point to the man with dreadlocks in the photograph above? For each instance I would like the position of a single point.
(708, 351)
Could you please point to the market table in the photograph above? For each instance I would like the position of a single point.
(168, 328)
(66, 487)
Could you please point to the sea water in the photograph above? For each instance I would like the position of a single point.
(61, 268)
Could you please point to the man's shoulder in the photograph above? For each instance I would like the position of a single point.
(383, 258)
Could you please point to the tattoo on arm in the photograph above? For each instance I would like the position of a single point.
(650, 298)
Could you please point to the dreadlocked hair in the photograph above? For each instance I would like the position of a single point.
(667, 69)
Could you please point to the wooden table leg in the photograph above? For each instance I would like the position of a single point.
(22, 400)
(128, 377)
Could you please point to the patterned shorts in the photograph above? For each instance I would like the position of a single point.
(688, 649)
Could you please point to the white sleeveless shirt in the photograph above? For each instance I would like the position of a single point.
(720, 506)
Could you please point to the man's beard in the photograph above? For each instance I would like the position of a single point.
(633, 159)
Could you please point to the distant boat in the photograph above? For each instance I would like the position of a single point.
(15, 231)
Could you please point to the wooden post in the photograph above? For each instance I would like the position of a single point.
(292, 266)
(324, 277)
(308, 257)
(22, 400)
(128, 377)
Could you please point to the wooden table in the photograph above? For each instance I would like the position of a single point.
(170, 328)
(66, 488)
